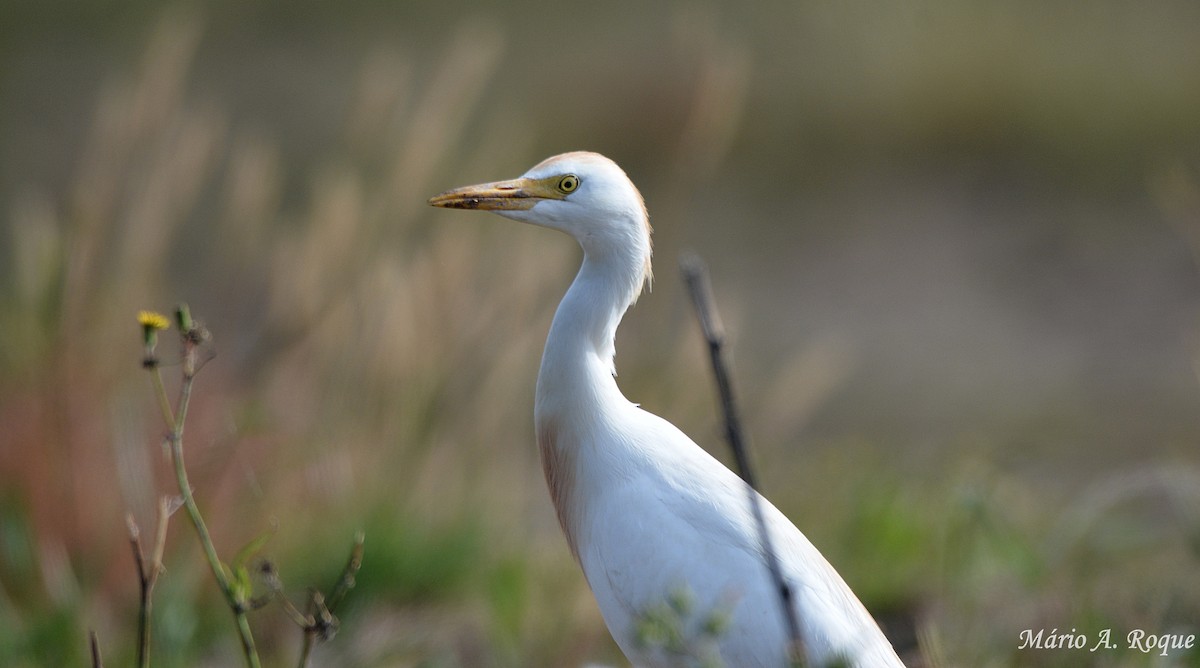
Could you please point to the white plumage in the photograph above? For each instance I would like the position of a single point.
(649, 515)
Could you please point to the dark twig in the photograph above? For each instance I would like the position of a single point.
(147, 574)
(695, 274)
(145, 584)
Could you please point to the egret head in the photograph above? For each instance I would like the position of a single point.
(583, 194)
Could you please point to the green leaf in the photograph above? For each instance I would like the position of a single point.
(241, 584)
(239, 578)
(252, 548)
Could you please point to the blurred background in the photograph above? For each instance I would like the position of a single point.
(956, 246)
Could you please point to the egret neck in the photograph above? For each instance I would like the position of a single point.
(580, 347)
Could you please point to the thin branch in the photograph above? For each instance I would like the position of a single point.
(147, 574)
(270, 576)
(318, 616)
(325, 623)
(346, 580)
(145, 584)
(695, 274)
(318, 623)
(94, 644)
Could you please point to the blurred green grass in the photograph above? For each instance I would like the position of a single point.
(377, 359)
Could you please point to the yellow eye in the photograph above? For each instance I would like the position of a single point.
(568, 184)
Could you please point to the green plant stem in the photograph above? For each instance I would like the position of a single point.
(175, 439)
(160, 390)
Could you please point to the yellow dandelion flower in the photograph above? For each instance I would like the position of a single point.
(151, 320)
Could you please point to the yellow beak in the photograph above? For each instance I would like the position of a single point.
(517, 194)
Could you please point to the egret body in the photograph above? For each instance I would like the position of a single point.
(646, 512)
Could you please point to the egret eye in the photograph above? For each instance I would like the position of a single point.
(568, 184)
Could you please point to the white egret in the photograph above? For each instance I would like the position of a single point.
(647, 513)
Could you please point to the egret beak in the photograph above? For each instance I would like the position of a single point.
(517, 194)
